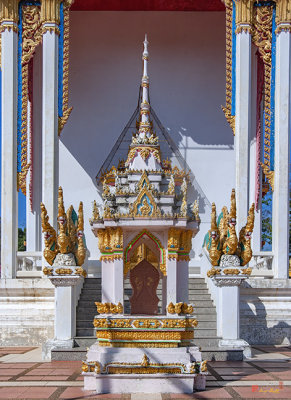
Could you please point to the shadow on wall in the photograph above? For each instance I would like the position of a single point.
(187, 83)
(254, 325)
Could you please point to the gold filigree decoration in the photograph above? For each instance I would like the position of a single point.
(145, 205)
(112, 323)
(66, 109)
(179, 323)
(63, 271)
(110, 243)
(228, 87)
(180, 308)
(142, 252)
(262, 38)
(231, 271)
(109, 308)
(283, 16)
(50, 238)
(243, 15)
(95, 213)
(9, 11)
(213, 271)
(171, 186)
(179, 243)
(47, 271)
(129, 248)
(80, 271)
(195, 209)
(245, 251)
(142, 335)
(31, 32)
(31, 37)
(246, 271)
(146, 323)
(138, 345)
(50, 11)
(144, 152)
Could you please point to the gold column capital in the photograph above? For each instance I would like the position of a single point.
(9, 14)
(243, 15)
(50, 11)
(283, 15)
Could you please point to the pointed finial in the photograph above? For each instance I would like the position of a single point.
(145, 49)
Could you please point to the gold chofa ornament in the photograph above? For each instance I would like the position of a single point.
(70, 236)
(222, 238)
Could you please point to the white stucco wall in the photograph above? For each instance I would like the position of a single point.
(187, 88)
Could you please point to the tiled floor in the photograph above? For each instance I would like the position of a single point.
(266, 376)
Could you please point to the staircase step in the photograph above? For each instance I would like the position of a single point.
(205, 325)
(85, 332)
(85, 323)
(196, 280)
(203, 303)
(198, 291)
(198, 296)
(81, 341)
(195, 286)
(205, 342)
(210, 354)
(204, 333)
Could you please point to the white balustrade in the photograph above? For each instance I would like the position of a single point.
(29, 264)
(262, 264)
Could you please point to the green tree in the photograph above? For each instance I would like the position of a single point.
(21, 239)
(267, 221)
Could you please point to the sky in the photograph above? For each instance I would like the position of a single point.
(21, 201)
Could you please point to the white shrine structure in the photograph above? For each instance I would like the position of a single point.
(157, 283)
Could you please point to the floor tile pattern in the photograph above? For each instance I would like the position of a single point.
(265, 376)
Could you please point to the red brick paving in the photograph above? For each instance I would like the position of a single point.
(219, 393)
(222, 371)
(264, 392)
(79, 393)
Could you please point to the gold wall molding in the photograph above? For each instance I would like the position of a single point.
(110, 240)
(243, 15)
(66, 109)
(262, 38)
(228, 85)
(283, 16)
(50, 11)
(8, 13)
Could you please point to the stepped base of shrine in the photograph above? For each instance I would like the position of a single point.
(138, 383)
(144, 370)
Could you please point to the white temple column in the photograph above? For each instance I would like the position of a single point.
(172, 265)
(280, 227)
(9, 196)
(228, 313)
(182, 281)
(112, 281)
(242, 107)
(33, 221)
(50, 140)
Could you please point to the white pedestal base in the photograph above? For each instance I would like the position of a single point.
(138, 383)
(105, 381)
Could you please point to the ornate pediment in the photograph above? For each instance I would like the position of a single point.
(145, 205)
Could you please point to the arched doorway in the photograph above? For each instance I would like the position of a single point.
(144, 280)
(144, 275)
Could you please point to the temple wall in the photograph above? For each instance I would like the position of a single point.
(265, 315)
(187, 89)
(27, 311)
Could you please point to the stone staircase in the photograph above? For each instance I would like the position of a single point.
(204, 310)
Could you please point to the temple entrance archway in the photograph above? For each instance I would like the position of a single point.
(144, 275)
